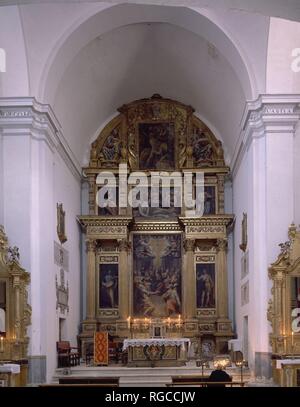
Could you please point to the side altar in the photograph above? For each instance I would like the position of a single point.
(158, 263)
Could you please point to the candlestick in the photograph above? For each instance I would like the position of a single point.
(1, 344)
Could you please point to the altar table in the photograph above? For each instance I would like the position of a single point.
(290, 372)
(157, 351)
(7, 374)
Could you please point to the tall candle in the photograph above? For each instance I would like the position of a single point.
(1, 344)
(128, 322)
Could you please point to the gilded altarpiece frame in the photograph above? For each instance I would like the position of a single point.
(283, 311)
(15, 340)
(195, 149)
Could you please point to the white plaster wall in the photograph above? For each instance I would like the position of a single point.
(241, 198)
(14, 82)
(297, 176)
(283, 38)
(66, 191)
(1, 181)
(45, 25)
(34, 180)
(249, 32)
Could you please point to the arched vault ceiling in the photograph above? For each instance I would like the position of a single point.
(137, 60)
(289, 9)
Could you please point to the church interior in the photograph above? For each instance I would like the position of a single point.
(96, 290)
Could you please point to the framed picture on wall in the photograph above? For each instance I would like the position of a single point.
(108, 285)
(156, 146)
(205, 285)
(157, 275)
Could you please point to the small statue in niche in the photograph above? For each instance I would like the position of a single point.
(202, 149)
(112, 146)
(61, 223)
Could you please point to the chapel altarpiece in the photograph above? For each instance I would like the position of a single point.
(158, 265)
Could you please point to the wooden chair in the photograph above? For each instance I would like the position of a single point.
(67, 356)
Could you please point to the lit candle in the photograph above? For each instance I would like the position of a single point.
(292, 341)
(169, 322)
(1, 344)
(128, 322)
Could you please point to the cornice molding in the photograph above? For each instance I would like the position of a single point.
(94, 220)
(267, 114)
(24, 115)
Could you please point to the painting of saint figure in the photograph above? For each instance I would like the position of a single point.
(157, 275)
(112, 199)
(205, 278)
(209, 200)
(156, 146)
(108, 278)
(163, 212)
(295, 292)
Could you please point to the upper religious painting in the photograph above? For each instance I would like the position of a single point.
(156, 146)
(156, 134)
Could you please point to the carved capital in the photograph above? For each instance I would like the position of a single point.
(189, 245)
(222, 245)
(123, 245)
(91, 245)
(16, 282)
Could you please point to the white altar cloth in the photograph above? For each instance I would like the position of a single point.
(184, 342)
(281, 362)
(10, 368)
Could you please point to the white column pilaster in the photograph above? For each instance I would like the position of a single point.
(268, 129)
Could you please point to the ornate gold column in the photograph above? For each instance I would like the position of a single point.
(91, 279)
(92, 193)
(222, 285)
(278, 326)
(189, 289)
(16, 285)
(123, 280)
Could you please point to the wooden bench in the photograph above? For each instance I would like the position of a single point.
(201, 381)
(89, 381)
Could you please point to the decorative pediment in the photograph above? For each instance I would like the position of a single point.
(102, 227)
(289, 256)
(209, 227)
(156, 134)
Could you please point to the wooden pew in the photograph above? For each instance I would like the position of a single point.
(201, 381)
(86, 382)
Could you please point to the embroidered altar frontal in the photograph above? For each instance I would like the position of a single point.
(101, 348)
(157, 351)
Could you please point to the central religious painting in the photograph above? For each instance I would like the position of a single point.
(157, 146)
(157, 275)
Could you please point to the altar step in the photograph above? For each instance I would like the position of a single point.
(141, 376)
